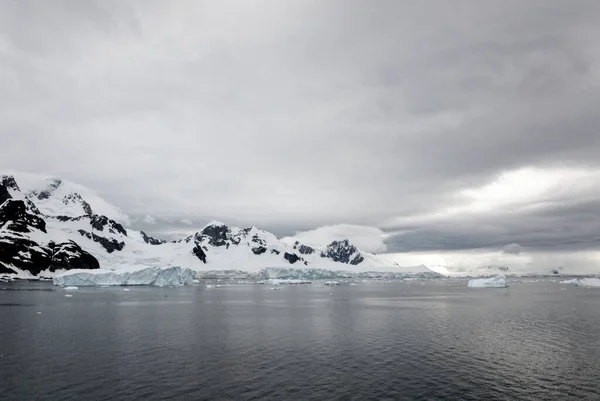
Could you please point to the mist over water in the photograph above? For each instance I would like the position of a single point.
(396, 340)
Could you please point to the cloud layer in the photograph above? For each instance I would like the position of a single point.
(451, 125)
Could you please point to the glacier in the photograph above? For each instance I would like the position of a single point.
(154, 276)
(499, 281)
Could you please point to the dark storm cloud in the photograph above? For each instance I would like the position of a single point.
(293, 115)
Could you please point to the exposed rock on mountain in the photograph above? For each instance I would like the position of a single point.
(110, 245)
(151, 240)
(303, 249)
(199, 253)
(99, 222)
(68, 255)
(291, 257)
(15, 216)
(343, 252)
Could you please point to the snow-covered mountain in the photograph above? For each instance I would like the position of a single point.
(58, 197)
(54, 225)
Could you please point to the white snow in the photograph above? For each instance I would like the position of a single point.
(588, 282)
(499, 281)
(155, 276)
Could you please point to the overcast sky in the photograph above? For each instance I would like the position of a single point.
(449, 125)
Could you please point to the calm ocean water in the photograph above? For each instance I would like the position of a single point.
(379, 341)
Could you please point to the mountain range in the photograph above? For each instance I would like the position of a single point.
(49, 225)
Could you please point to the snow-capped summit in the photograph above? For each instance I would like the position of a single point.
(58, 197)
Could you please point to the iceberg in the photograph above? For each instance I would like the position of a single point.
(588, 282)
(156, 276)
(498, 281)
(289, 281)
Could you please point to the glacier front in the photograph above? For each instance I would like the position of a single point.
(498, 281)
(156, 276)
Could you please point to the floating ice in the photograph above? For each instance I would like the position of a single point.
(156, 276)
(332, 283)
(289, 281)
(499, 281)
(588, 282)
(68, 295)
(71, 288)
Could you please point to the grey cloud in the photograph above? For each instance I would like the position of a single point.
(295, 116)
(556, 227)
(512, 249)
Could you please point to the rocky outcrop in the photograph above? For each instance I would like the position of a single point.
(217, 235)
(151, 240)
(18, 251)
(68, 255)
(291, 257)
(17, 217)
(75, 198)
(259, 250)
(343, 252)
(110, 245)
(199, 252)
(4, 194)
(99, 222)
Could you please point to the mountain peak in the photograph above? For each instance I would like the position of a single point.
(60, 197)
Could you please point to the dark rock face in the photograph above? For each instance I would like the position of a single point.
(4, 194)
(151, 240)
(8, 181)
(199, 252)
(99, 222)
(259, 250)
(291, 257)
(343, 252)
(218, 235)
(74, 197)
(22, 253)
(305, 250)
(257, 240)
(110, 245)
(68, 255)
(275, 251)
(19, 218)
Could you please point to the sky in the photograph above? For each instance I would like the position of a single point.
(424, 127)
